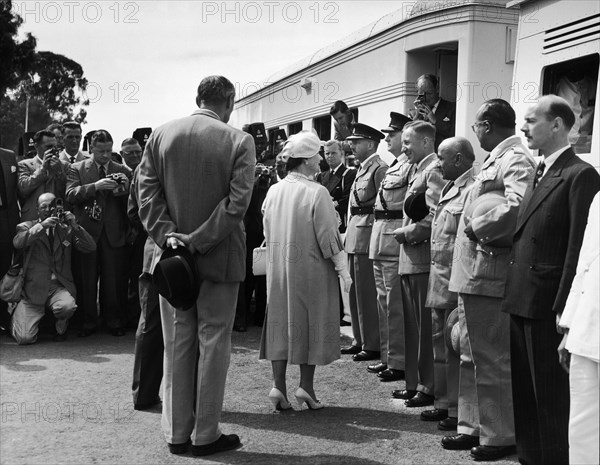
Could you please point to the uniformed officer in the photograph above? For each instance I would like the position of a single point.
(363, 295)
(384, 250)
(425, 185)
(456, 159)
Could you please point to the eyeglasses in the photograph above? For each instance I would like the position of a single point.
(133, 152)
(477, 124)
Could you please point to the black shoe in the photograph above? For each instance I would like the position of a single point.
(345, 323)
(147, 405)
(487, 453)
(403, 394)
(351, 349)
(225, 442)
(437, 414)
(60, 337)
(460, 442)
(420, 400)
(179, 449)
(366, 355)
(86, 332)
(377, 368)
(448, 424)
(117, 332)
(391, 374)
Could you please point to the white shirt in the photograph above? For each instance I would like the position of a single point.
(551, 159)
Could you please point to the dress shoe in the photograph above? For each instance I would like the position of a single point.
(225, 442)
(460, 442)
(437, 414)
(420, 400)
(278, 400)
(146, 405)
(345, 323)
(302, 396)
(86, 332)
(351, 349)
(179, 449)
(403, 394)
(487, 453)
(377, 368)
(60, 337)
(391, 374)
(448, 424)
(366, 355)
(117, 332)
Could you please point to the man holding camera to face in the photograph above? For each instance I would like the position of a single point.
(43, 173)
(47, 245)
(98, 189)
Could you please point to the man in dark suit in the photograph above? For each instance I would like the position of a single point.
(548, 237)
(196, 181)
(9, 218)
(98, 188)
(337, 179)
(431, 107)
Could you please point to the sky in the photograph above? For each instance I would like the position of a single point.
(144, 59)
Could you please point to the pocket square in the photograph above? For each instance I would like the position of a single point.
(13, 169)
(446, 119)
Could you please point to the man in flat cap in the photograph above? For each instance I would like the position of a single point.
(384, 250)
(424, 182)
(363, 295)
(198, 201)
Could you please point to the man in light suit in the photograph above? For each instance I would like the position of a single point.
(424, 181)
(456, 159)
(196, 180)
(98, 188)
(429, 106)
(43, 173)
(363, 294)
(485, 413)
(48, 278)
(71, 136)
(384, 250)
(9, 218)
(546, 246)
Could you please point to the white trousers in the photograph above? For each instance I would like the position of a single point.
(584, 419)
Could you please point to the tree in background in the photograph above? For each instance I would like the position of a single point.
(52, 86)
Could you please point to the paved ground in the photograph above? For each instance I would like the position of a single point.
(70, 403)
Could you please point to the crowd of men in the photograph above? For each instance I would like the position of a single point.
(430, 244)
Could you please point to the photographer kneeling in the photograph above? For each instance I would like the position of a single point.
(48, 280)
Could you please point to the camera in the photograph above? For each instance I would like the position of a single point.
(94, 211)
(120, 189)
(58, 211)
(115, 177)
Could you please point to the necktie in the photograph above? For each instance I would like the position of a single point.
(102, 172)
(72, 158)
(539, 173)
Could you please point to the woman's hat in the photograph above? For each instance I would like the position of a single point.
(176, 278)
(305, 144)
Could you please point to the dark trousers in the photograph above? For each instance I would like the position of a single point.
(249, 286)
(109, 264)
(540, 392)
(6, 251)
(134, 269)
(149, 348)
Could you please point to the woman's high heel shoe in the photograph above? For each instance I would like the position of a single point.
(303, 396)
(278, 400)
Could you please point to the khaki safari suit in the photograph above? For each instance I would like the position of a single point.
(196, 178)
(34, 181)
(439, 298)
(384, 250)
(413, 268)
(48, 277)
(485, 406)
(110, 234)
(543, 262)
(363, 294)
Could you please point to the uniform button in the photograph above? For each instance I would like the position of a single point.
(432, 262)
(512, 262)
(532, 267)
(433, 241)
(435, 224)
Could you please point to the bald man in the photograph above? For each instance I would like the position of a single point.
(48, 280)
(456, 157)
(548, 237)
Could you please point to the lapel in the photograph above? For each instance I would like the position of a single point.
(333, 180)
(424, 164)
(534, 197)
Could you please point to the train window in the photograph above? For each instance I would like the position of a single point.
(322, 125)
(576, 81)
(294, 128)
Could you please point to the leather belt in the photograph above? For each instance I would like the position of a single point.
(389, 214)
(361, 210)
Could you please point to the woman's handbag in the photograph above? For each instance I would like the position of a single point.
(11, 285)
(259, 260)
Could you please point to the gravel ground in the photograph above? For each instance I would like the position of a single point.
(70, 403)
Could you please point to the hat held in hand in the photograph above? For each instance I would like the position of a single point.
(483, 205)
(415, 206)
(176, 278)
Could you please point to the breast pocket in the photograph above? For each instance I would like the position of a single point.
(452, 217)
